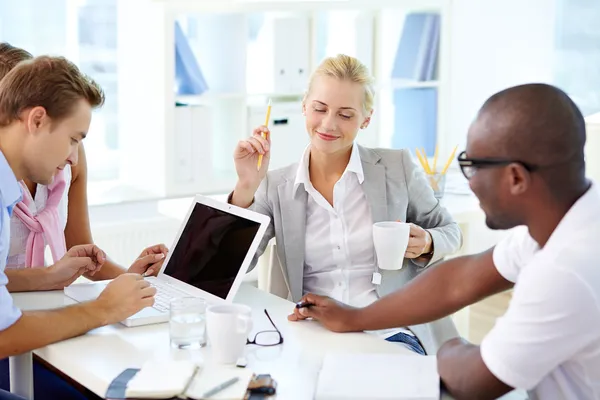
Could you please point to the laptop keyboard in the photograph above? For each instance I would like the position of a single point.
(164, 295)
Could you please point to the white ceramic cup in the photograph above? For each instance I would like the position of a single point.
(228, 326)
(391, 240)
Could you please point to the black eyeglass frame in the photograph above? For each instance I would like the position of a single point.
(253, 341)
(464, 161)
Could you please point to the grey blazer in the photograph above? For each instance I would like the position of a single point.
(396, 190)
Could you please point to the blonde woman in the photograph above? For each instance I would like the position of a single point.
(322, 208)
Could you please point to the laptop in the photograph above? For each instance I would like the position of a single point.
(211, 254)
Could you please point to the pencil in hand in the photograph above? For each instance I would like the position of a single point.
(264, 135)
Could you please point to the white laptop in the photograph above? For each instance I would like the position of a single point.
(211, 254)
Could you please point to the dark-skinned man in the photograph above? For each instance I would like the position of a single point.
(525, 162)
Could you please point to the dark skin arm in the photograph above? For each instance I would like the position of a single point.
(78, 229)
(434, 294)
(465, 375)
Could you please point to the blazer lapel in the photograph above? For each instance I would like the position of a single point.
(374, 184)
(293, 221)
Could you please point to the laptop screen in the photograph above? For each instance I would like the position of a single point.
(211, 249)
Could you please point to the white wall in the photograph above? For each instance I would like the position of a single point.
(22, 24)
(495, 44)
(592, 147)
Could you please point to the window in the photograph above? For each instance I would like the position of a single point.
(85, 32)
(577, 53)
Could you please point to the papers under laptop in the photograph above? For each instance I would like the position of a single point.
(378, 377)
(212, 251)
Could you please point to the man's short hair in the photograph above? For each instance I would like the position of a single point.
(54, 83)
(10, 56)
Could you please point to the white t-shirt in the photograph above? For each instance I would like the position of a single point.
(548, 342)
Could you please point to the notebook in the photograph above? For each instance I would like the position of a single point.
(378, 377)
(212, 376)
(161, 380)
(164, 380)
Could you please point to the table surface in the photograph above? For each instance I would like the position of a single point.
(96, 358)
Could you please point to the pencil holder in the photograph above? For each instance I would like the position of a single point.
(438, 184)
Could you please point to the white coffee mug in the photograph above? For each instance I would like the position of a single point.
(228, 326)
(391, 240)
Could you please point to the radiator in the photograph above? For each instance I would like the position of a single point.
(124, 241)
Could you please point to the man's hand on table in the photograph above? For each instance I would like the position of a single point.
(333, 315)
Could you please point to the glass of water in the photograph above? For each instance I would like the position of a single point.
(187, 323)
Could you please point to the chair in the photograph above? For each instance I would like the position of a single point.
(275, 280)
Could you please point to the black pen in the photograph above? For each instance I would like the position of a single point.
(304, 304)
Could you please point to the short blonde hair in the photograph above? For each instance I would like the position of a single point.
(347, 68)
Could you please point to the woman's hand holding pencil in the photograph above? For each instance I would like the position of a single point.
(247, 154)
(264, 135)
(246, 157)
(251, 157)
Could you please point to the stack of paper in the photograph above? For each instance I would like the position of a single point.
(378, 377)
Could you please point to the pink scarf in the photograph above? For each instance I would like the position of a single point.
(44, 227)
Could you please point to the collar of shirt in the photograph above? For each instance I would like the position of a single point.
(577, 218)
(10, 190)
(303, 176)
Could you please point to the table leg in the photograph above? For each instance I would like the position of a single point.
(21, 375)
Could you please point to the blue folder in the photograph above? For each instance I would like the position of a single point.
(188, 76)
(417, 53)
(415, 119)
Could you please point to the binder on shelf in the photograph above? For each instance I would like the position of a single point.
(288, 133)
(355, 39)
(415, 119)
(220, 45)
(291, 54)
(418, 48)
(188, 76)
(192, 156)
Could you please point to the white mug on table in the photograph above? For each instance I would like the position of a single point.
(228, 326)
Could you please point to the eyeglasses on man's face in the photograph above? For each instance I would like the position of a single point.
(268, 337)
(469, 166)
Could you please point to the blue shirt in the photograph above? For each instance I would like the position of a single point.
(10, 195)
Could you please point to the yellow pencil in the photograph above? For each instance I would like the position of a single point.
(449, 160)
(435, 158)
(264, 135)
(424, 154)
(422, 161)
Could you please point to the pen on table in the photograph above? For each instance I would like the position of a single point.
(182, 395)
(221, 387)
(264, 135)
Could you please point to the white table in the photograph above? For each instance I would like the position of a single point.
(94, 359)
